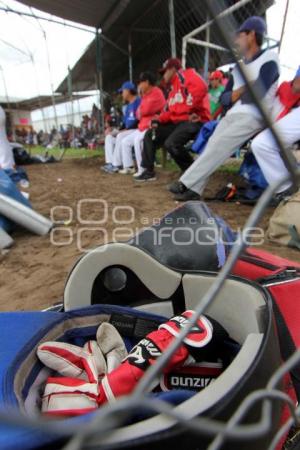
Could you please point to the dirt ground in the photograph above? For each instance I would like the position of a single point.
(33, 272)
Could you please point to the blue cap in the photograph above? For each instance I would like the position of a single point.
(254, 23)
(127, 85)
(298, 73)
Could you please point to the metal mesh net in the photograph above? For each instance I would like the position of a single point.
(150, 35)
(109, 417)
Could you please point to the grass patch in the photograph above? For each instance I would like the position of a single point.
(232, 166)
(70, 152)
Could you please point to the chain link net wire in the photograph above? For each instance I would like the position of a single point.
(196, 55)
(109, 417)
(148, 37)
(271, 392)
(150, 34)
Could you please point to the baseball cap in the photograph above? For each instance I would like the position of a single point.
(217, 75)
(254, 23)
(127, 85)
(169, 64)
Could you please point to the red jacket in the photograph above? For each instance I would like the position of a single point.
(151, 105)
(188, 95)
(288, 98)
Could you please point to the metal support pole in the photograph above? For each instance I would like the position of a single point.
(224, 13)
(207, 52)
(5, 87)
(172, 28)
(99, 77)
(284, 24)
(130, 57)
(70, 93)
(50, 79)
(207, 44)
(184, 53)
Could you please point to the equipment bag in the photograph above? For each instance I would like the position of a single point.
(284, 226)
(191, 237)
(8, 188)
(281, 278)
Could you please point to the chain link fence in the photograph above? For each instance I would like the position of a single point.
(150, 41)
(111, 416)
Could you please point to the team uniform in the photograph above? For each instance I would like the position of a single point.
(188, 95)
(113, 143)
(151, 104)
(242, 121)
(287, 115)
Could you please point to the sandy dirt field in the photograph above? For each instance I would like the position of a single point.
(33, 272)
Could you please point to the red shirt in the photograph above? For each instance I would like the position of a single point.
(151, 105)
(187, 96)
(288, 98)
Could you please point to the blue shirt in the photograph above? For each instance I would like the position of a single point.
(130, 121)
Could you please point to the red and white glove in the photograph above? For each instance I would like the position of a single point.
(77, 392)
(111, 345)
(123, 380)
(92, 361)
(67, 396)
(62, 395)
(72, 361)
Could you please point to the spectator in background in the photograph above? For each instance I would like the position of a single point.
(152, 103)
(243, 120)
(186, 110)
(113, 143)
(216, 89)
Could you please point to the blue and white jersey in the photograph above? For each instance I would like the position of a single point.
(263, 72)
(130, 120)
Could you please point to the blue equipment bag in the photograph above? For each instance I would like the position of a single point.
(8, 188)
(20, 367)
(203, 136)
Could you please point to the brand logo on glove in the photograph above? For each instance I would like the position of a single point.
(199, 335)
(143, 354)
(195, 377)
(181, 322)
(188, 382)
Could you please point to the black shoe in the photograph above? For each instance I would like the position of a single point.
(177, 187)
(146, 176)
(278, 198)
(186, 196)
